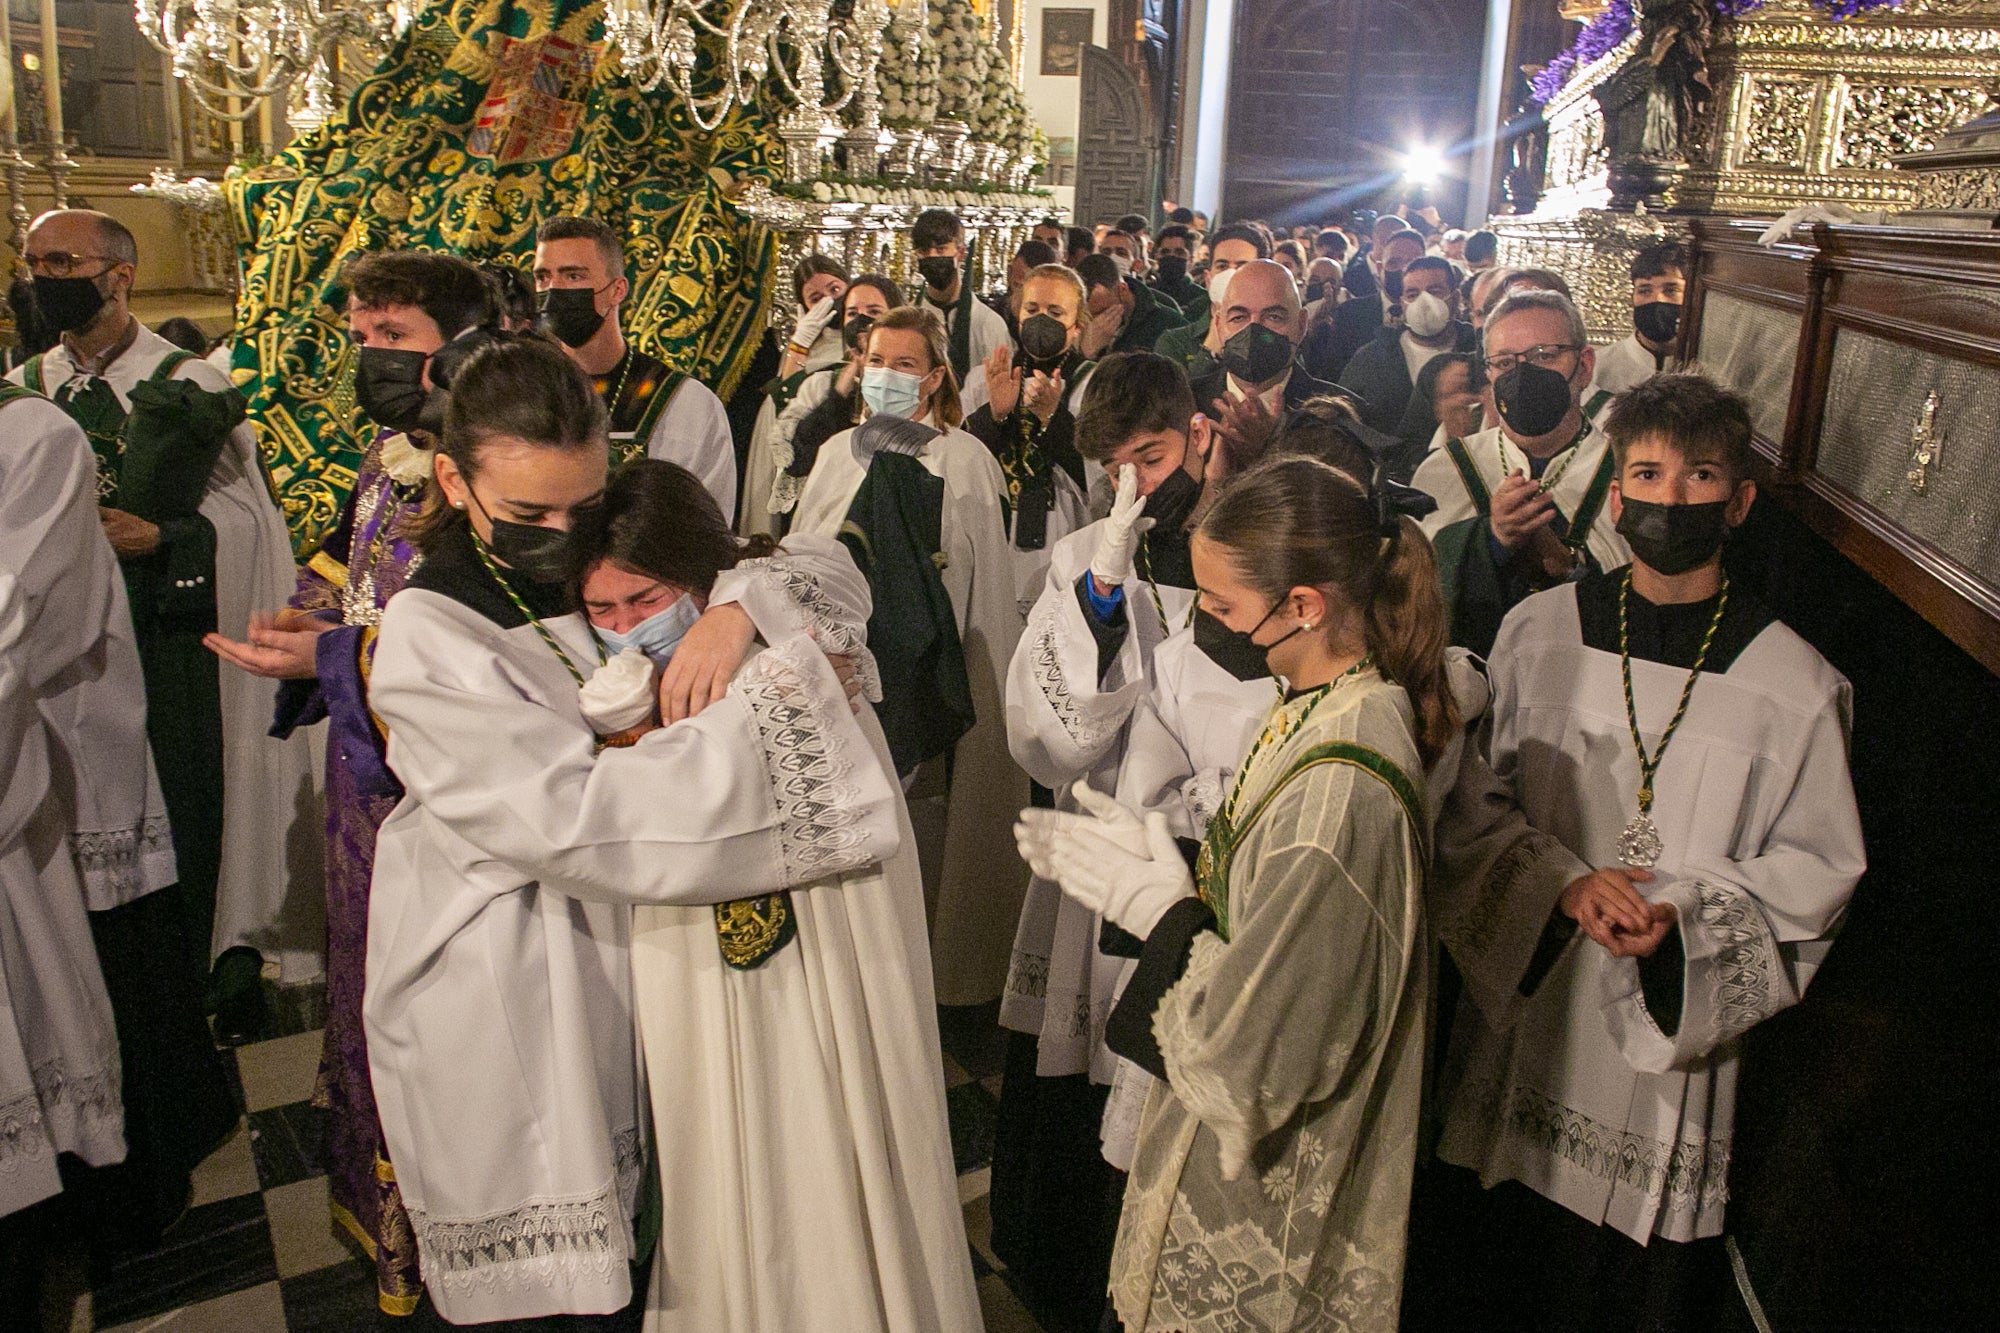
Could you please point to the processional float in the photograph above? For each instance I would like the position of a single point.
(724, 138)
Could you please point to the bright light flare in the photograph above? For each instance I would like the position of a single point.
(1423, 165)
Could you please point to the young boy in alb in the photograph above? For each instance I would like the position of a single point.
(1658, 863)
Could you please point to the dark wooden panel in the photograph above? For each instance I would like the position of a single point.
(1919, 311)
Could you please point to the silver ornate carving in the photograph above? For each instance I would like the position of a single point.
(233, 54)
(1593, 249)
(1926, 447)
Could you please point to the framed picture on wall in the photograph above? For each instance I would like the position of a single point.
(1065, 32)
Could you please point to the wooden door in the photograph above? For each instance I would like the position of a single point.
(1326, 96)
(1117, 142)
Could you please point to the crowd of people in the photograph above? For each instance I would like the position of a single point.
(1295, 676)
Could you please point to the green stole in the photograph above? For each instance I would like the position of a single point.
(1470, 578)
(1225, 835)
(95, 409)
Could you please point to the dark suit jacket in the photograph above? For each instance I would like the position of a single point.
(1358, 278)
(1213, 387)
(1152, 315)
(1379, 376)
(1354, 325)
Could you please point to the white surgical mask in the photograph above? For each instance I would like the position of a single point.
(892, 393)
(1124, 264)
(1218, 287)
(1426, 315)
(658, 634)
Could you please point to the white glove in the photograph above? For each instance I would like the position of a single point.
(813, 322)
(1100, 814)
(1804, 216)
(1119, 540)
(1132, 892)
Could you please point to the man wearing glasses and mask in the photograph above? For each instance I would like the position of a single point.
(186, 506)
(184, 502)
(1521, 504)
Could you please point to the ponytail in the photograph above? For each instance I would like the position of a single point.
(1295, 521)
(1406, 628)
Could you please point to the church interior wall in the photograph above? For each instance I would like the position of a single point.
(1054, 98)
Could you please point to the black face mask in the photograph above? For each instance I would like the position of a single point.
(1673, 539)
(855, 331)
(570, 315)
(1392, 284)
(939, 272)
(1171, 268)
(389, 386)
(1533, 400)
(536, 553)
(1314, 291)
(1043, 339)
(1657, 321)
(1235, 651)
(68, 304)
(1257, 354)
(1173, 500)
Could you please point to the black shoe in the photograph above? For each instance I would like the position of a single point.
(241, 1012)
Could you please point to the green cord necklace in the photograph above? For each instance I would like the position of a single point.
(486, 559)
(1212, 865)
(1639, 845)
(1146, 573)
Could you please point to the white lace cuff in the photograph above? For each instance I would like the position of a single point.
(835, 805)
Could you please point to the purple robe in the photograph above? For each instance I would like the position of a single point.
(360, 565)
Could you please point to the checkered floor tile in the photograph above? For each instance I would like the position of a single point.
(258, 1251)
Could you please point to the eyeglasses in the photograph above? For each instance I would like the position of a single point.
(1546, 356)
(62, 264)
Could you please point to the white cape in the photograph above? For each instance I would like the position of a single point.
(977, 896)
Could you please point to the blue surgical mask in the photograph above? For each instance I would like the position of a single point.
(892, 393)
(658, 634)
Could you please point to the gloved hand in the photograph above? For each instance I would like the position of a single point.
(813, 322)
(1119, 539)
(1132, 892)
(1097, 813)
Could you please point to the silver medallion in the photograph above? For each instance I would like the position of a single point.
(1639, 845)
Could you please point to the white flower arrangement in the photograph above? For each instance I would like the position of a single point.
(963, 58)
(999, 105)
(908, 78)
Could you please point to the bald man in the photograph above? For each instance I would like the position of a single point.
(186, 505)
(1255, 332)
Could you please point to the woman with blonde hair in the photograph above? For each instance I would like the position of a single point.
(951, 505)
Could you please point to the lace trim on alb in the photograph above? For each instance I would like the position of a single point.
(1028, 975)
(115, 858)
(1045, 662)
(85, 1098)
(1745, 969)
(811, 779)
(540, 1241)
(1474, 931)
(832, 628)
(1689, 1177)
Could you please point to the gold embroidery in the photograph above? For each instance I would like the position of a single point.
(752, 929)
